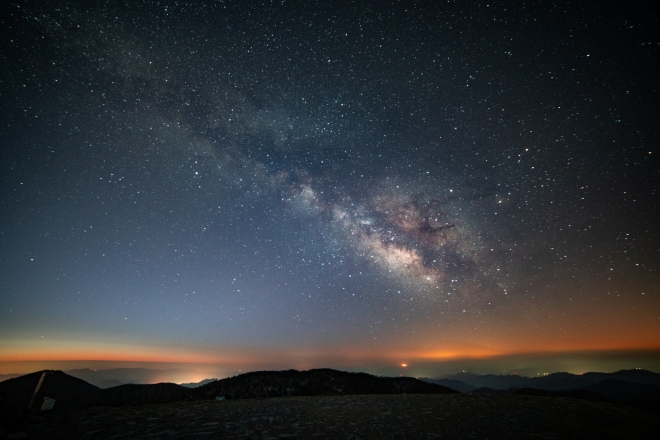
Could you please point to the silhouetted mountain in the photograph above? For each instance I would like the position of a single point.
(119, 376)
(456, 385)
(197, 384)
(107, 383)
(637, 394)
(556, 381)
(564, 381)
(491, 380)
(97, 378)
(634, 376)
(69, 391)
(65, 389)
(631, 387)
(314, 383)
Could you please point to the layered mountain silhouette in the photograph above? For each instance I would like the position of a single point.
(551, 382)
(197, 384)
(70, 392)
(634, 387)
(120, 376)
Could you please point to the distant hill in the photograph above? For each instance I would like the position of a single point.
(120, 376)
(491, 380)
(69, 391)
(57, 385)
(637, 394)
(552, 382)
(632, 387)
(197, 384)
(314, 383)
(456, 385)
(99, 378)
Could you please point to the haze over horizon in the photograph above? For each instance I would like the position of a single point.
(255, 185)
(528, 365)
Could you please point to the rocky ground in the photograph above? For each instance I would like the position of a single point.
(445, 416)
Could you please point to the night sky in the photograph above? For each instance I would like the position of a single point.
(329, 184)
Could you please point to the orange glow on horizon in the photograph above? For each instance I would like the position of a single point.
(286, 356)
(519, 338)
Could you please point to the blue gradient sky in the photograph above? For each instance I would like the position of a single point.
(311, 184)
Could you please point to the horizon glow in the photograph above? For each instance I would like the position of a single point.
(424, 188)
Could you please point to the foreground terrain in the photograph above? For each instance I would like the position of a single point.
(349, 417)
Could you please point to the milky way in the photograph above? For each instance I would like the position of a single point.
(476, 178)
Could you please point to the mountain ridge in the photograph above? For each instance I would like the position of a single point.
(70, 392)
(560, 381)
(632, 387)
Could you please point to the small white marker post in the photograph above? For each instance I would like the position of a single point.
(36, 390)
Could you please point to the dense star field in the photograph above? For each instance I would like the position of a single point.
(318, 184)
